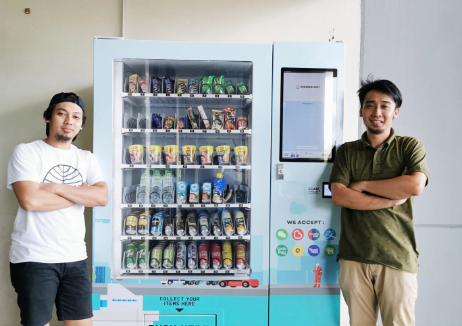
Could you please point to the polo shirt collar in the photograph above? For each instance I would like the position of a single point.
(387, 142)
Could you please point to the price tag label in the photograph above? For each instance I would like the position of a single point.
(180, 95)
(215, 272)
(129, 205)
(142, 238)
(202, 205)
(220, 166)
(154, 94)
(141, 94)
(153, 206)
(228, 131)
(129, 238)
(130, 130)
(192, 205)
(204, 131)
(178, 272)
(168, 94)
(132, 165)
(140, 271)
(217, 95)
(178, 238)
(167, 130)
(140, 206)
(228, 238)
(185, 166)
(154, 130)
(153, 271)
(179, 206)
(154, 238)
(215, 238)
(204, 95)
(127, 271)
(180, 130)
(148, 165)
(240, 237)
(202, 272)
(202, 238)
(242, 131)
(190, 238)
(242, 96)
(191, 95)
(189, 271)
(227, 271)
(217, 131)
(228, 205)
(130, 94)
(230, 95)
(165, 238)
(191, 130)
(237, 167)
(215, 205)
(241, 205)
(167, 166)
(202, 167)
(165, 205)
(165, 271)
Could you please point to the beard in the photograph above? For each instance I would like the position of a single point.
(375, 131)
(62, 138)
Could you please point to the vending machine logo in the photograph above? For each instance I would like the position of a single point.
(281, 234)
(314, 234)
(281, 250)
(313, 250)
(297, 250)
(297, 234)
(329, 251)
(330, 234)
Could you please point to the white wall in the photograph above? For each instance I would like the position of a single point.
(417, 45)
(51, 50)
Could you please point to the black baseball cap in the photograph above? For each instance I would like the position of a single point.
(64, 97)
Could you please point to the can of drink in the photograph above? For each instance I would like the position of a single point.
(216, 256)
(130, 223)
(227, 255)
(204, 223)
(192, 223)
(227, 221)
(240, 253)
(216, 224)
(239, 220)
(169, 257)
(143, 223)
(156, 224)
(142, 256)
(156, 258)
(168, 223)
(203, 255)
(130, 256)
(192, 255)
(179, 223)
(181, 255)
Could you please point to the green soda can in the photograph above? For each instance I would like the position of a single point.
(142, 256)
(130, 256)
(169, 257)
(156, 258)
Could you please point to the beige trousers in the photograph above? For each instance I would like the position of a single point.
(368, 287)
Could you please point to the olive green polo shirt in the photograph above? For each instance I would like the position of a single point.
(385, 236)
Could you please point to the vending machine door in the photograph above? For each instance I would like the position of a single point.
(181, 131)
(308, 85)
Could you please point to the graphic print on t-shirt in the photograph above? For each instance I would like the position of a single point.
(64, 174)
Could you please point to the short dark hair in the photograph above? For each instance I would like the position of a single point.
(49, 111)
(381, 85)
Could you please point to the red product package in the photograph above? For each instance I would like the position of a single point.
(144, 85)
(242, 123)
(230, 118)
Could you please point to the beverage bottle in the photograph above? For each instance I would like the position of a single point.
(156, 188)
(168, 187)
(218, 188)
(145, 183)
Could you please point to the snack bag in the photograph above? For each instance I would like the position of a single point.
(133, 83)
(230, 118)
(241, 87)
(217, 120)
(181, 124)
(219, 80)
(193, 86)
(156, 122)
(181, 86)
(156, 84)
(192, 118)
(229, 87)
(144, 85)
(169, 122)
(242, 123)
(218, 89)
(206, 122)
(206, 89)
(168, 82)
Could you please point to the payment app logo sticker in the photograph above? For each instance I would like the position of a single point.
(281, 250)
(314, 234)
(329, 251)
(281, 234)
(297, 234)
(297, 250)
(313, 250)
(330, 234)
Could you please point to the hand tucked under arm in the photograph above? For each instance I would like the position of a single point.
(32, 198)
(401, 187)
(348, 198)
(88, 196)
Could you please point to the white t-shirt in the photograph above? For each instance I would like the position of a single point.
(53, 236)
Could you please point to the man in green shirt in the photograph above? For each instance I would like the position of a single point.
(375, 180)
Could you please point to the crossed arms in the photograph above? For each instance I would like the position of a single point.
(388, 193)
(54, 196)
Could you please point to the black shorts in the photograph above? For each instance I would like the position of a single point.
(38, 285)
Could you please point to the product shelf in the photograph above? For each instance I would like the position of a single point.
(183, 205)
(233, 271)
(186, 166)
(188, 99)
(186, 131)
(150, 237)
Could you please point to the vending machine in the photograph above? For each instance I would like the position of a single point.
(307, 128)
(182, 132)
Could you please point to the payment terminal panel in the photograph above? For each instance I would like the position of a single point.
(308, 84)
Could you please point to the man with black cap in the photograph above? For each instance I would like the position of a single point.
(53, 181)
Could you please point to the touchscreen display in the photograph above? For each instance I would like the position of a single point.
(308, 113)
